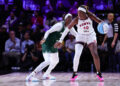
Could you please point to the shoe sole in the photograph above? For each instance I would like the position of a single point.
(48, 78)
(73, 79)
(100, 79)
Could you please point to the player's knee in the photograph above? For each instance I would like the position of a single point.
(47, 62)
(56, 62)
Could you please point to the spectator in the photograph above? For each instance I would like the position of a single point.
(73, 9)
(10, 21)
(20, 32)
(101, 5)
(12, 49)
(36, 21)
(117, 6)
(38, 51)
(23, 19)
(110, 5)
(103, 52)
(49, 21)
(111, 38)
(60, 9)
(29, 28)
(117, 51)
(3, 38)
(37, 35)
(70, 50)
(27, 49)
(47, 8)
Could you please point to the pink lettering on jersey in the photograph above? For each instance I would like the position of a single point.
(83, 24)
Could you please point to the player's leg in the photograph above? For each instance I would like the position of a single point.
(93, 50)
(44, 64)
(78, 51)
(54, 60)
(92, 44)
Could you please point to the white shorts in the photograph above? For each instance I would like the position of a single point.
(86, 38)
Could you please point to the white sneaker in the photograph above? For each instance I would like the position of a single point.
(48, 77)
(31, 79)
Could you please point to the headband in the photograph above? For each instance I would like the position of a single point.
(82, 9)
(67, 15)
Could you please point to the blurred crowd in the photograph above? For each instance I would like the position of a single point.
(22, 30)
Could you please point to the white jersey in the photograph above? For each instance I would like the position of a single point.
(85, 26)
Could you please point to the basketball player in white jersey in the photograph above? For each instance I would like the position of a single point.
(50, 53)
(85, 35)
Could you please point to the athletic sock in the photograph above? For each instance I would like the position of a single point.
(99, 74)
(74, 74)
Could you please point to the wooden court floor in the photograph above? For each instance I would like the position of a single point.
(63, 79)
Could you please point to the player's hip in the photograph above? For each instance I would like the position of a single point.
(86, 38)
(49, 49)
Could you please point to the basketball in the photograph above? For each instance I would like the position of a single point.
(102, 28)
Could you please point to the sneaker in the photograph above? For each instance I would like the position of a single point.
(31, 79)
(99, 76)
(74, 77)
(48, 77)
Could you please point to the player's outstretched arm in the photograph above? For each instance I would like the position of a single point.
(67, 29)
(94, 17)
(73, 32)
(56, 27)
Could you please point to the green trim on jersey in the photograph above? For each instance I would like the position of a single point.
(48, 46)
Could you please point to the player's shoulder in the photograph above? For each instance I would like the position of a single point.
(76, 18)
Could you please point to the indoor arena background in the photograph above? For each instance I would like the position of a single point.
(36, 17)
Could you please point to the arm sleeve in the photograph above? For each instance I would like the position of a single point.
(116, 28)
(73, 32)
(64, 34)
(56, 27)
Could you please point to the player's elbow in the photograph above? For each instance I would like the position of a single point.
(69, 27)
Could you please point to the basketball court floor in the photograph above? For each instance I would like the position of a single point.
(63, 79)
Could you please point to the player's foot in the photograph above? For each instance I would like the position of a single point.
(74, 77)
(49, 77)
(99, 76)
(31, 79)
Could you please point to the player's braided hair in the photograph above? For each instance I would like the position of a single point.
(87, 9)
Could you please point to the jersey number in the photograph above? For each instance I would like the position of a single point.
(86, 27)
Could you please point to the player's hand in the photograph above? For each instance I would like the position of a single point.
(58, 45)
(68, 50)
(42, 41)
(113, 44)
(12, 47)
